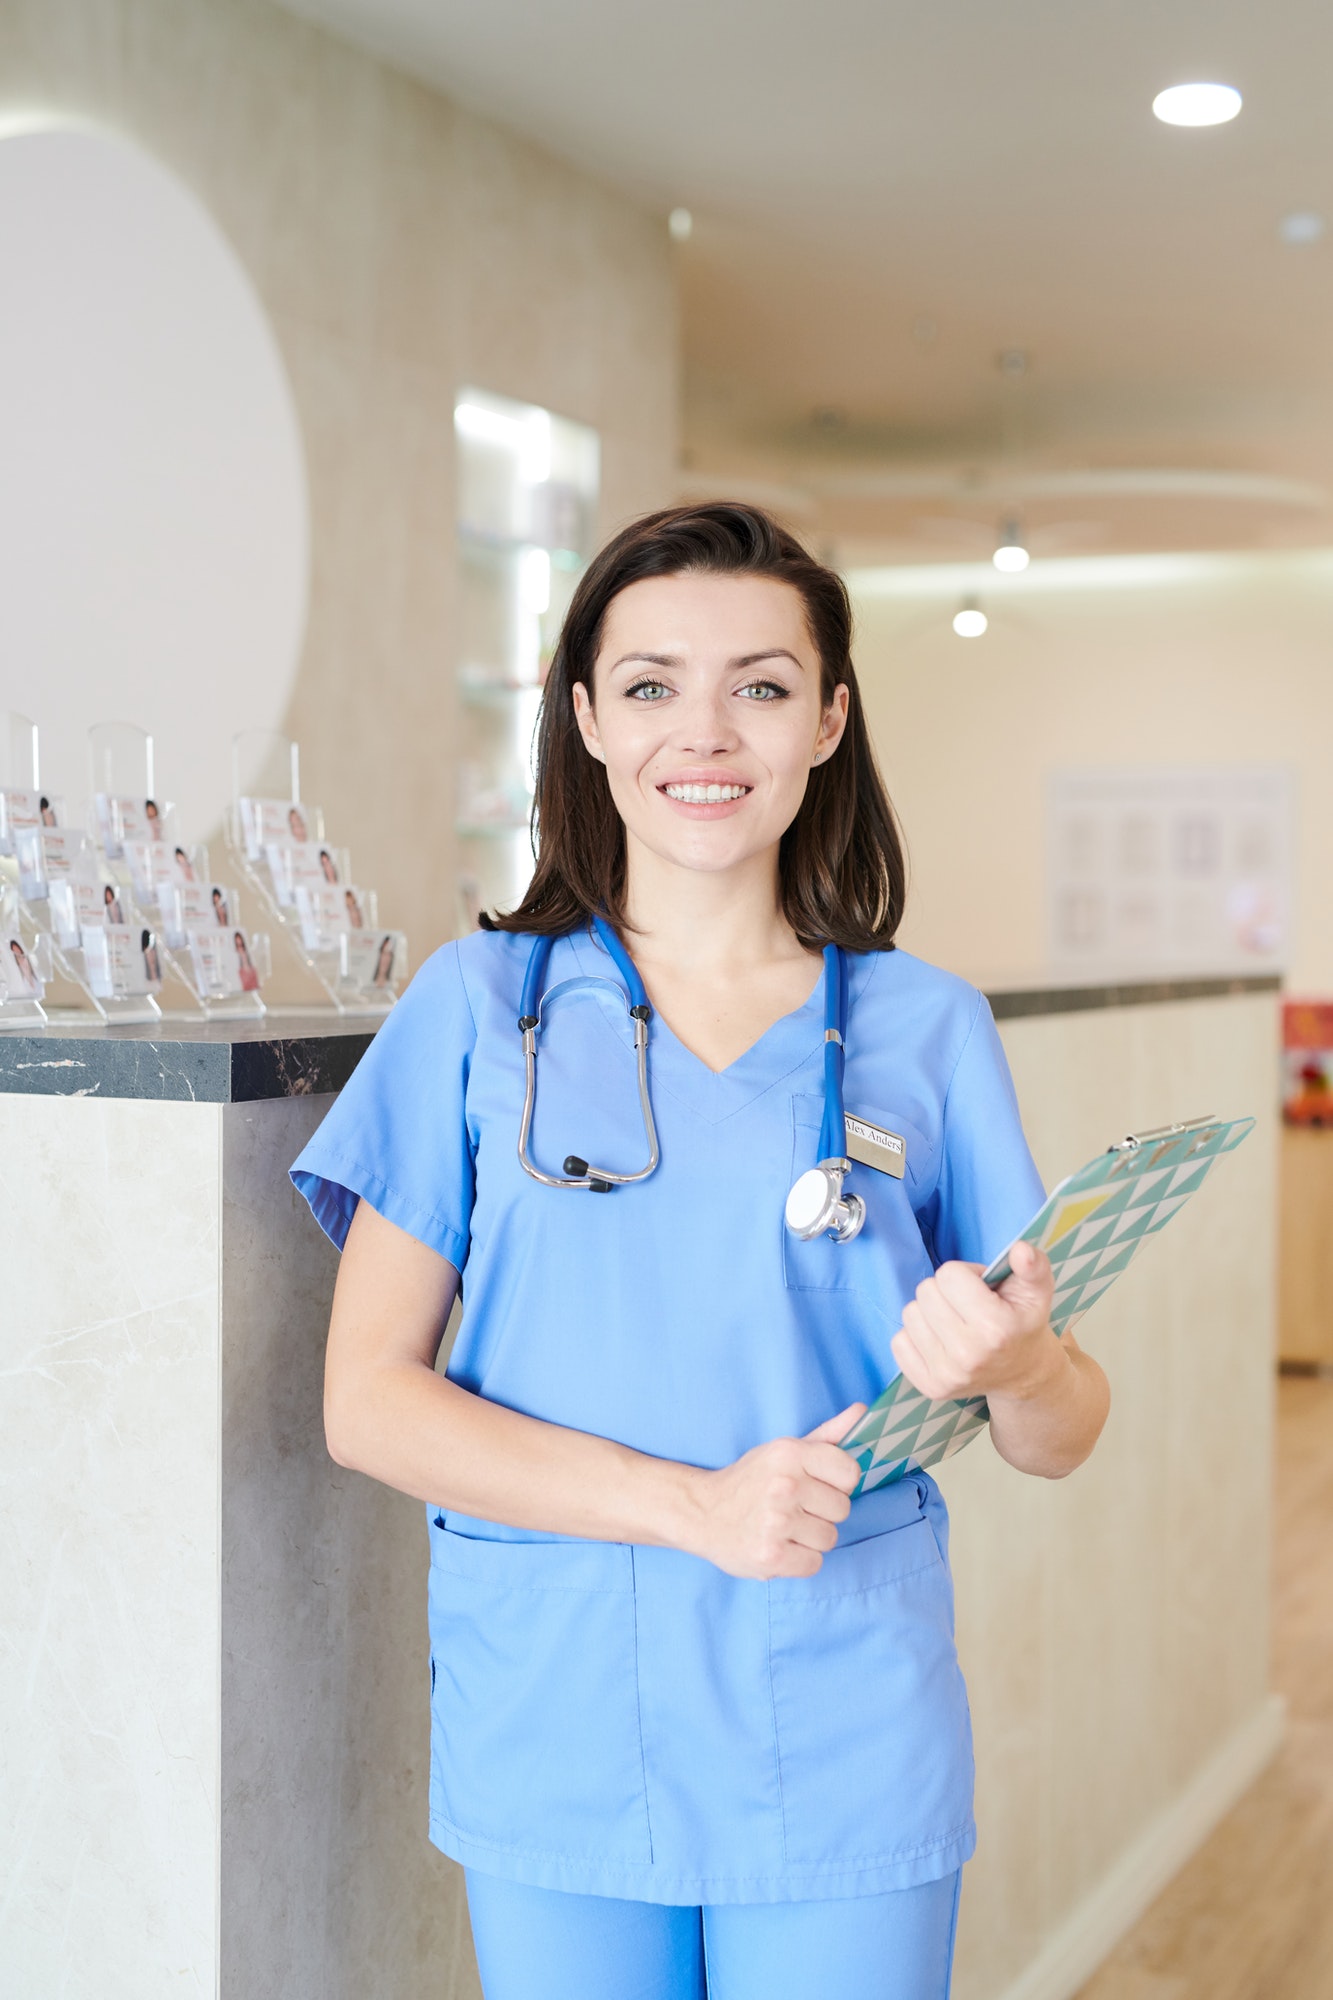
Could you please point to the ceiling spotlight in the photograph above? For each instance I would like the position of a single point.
(680, 225)
(969, 620)
(1197, 104)
(1303, 225)
(1011, 556)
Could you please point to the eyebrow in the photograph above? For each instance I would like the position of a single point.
(674, 659)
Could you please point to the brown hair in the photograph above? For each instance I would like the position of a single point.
(842, 878)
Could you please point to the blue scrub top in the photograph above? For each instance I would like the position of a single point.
(629, 1721)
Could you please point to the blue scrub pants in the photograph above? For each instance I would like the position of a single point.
(547, 1944)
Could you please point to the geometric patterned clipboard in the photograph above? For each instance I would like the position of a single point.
(1092, 1227)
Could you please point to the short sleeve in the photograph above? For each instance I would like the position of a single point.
(988, 1186)
(397, 1136)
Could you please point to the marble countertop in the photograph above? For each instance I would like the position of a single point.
(313, 1054)
(193, 1062)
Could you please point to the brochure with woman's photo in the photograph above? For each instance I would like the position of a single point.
(18, 975)
(80, 906)
(269, 823)
(326, 912)
(156, 867)
(291, 864)
(122, 961)
(195, 906)
(22, 809)
(372, 959)
(122, 819)
(223, 962)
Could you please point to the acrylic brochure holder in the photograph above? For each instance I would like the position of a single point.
(305, 883)
(162, 887)
(1092, 1226)
(69, 937)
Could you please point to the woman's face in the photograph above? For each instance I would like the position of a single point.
(707, 715)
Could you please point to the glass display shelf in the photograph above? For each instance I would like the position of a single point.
(528, 492)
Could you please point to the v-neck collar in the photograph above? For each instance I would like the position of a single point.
(783, 1048)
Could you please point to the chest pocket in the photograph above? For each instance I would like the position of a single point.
(889, 1253)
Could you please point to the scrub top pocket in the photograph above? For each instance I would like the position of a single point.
(535, 1743)
(870, 1714)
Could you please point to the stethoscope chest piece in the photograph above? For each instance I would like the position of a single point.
(817, 1205)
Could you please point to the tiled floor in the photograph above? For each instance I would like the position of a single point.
(1251, 1917)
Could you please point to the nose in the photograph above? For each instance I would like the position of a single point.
(705, 723)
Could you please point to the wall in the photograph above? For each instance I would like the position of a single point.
(1156, 661)
(401, 247)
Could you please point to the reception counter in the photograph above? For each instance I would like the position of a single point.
(215, 1677)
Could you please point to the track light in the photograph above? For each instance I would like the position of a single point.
(969, 620)
(1011, 556)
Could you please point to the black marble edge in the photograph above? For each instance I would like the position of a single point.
(311, 1066)
(1013, 1003)
(253, 1068)
(176, 1069)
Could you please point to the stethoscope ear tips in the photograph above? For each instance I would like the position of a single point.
(817, 1206)
(577, 1168)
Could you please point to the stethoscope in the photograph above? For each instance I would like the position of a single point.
(816, 1205)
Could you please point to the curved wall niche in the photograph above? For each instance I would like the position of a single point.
(154, 529)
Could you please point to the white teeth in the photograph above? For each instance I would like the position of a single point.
(705, 795)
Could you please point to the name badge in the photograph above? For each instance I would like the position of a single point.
(872, 1146)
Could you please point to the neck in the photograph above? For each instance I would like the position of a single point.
(700, 921)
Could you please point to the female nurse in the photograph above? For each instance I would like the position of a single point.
(698, 1726)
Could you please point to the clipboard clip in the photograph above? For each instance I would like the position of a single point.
(1133, 1140)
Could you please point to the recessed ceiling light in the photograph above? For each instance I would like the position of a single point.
(680, 223)
(970, 621)
(1011, 555)
(1197, 104)
(1303, 225)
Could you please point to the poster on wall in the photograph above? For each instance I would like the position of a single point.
(1307, 1062)
(1154, 870)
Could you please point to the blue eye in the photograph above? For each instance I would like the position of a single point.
(647, 690)
(763, 691)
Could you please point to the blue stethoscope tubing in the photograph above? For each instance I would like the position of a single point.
(578, 1173)
(816, 1205)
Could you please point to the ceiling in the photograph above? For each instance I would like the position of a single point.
(887, 197)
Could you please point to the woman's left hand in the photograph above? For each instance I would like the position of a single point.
(960, 1338)
(1048, 1400)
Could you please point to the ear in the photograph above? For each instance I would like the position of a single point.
(586, 718)
(832, 723)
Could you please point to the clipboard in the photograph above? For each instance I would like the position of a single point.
(1092, 1227)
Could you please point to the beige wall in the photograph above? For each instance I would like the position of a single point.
(1231, 663)
(402, 247)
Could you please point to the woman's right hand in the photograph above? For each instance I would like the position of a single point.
(775, 1512)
